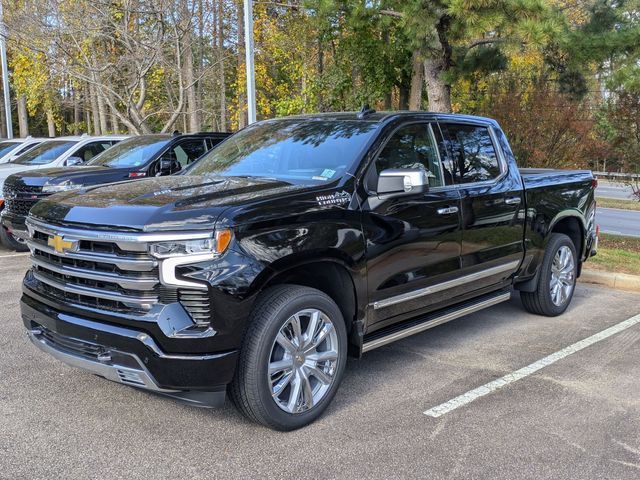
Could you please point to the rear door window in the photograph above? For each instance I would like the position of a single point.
(473, 154)
(92, 149)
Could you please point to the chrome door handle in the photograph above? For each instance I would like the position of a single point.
(512, 201)
(447, 210)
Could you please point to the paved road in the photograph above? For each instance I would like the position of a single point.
(619, 222)
(614, 190)
(577, 418)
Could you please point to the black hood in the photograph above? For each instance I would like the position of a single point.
(81, 175)
(161, 203)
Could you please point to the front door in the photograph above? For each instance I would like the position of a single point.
(413, 240)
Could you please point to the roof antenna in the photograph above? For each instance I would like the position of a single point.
(176, 133)
(365, 110)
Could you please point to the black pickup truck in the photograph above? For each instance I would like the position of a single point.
(137, 157)
(296, 242)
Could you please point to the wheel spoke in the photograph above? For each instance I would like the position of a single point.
(326, 330)
(285, 343)
(314, 320)
(280, 365)
(297, 329)
(307, 391)
(329, 355)
(294, 395)
(319, 374)
(278, 388)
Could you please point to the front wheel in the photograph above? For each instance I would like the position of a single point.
(556, 280)
(12, 242)
(292, 358)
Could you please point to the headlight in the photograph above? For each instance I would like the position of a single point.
(215, 245)
(60, 187)
(178, 253)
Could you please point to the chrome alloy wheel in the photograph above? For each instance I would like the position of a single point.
(303, 361)
(562, 276)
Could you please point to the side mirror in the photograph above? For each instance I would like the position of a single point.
(402, 181)
(73, 161)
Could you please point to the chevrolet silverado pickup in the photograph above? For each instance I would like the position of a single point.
(135, 157)
(296, 242)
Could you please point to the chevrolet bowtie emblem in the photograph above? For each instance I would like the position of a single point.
(59, 244)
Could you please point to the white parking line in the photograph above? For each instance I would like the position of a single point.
(490, 387)
(15, 255)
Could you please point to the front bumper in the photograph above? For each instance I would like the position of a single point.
(15, 224)
(128, 356)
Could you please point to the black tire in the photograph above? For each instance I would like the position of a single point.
(250, 389)
(540, 301)
(9, 241)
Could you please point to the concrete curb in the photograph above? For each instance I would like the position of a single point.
(621, 281)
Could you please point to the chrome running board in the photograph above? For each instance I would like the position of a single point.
(430, 322)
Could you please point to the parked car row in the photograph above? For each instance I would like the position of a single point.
(36, 168)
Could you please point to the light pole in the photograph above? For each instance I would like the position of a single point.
(248, 47)
(5, 74)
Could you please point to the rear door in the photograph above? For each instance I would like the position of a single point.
(492, 203)
(413, 240)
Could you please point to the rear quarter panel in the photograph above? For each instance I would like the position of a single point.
(551, 196)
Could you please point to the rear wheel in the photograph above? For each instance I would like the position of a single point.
(292, 358)
(557, 279)
(12, 242)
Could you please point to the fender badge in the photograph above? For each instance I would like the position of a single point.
(336, 198)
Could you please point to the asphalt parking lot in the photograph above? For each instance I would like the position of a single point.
(576, 418)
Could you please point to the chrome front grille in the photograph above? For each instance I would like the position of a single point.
(106, 271)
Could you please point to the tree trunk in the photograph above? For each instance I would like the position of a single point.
(77, 117)
(435, 65)
(403, 97)
(115, 124)
(3, 123)
(242, 97)
(23, 117)
(438, 92)
(94, 110)
(417, 80)
(188, 73)
(51, 124)
(221, 71)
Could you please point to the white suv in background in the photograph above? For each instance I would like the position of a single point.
(10, 149)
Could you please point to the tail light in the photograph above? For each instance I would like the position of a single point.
(137, 174)
(594, 182)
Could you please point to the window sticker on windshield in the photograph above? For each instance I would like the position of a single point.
(328, 173)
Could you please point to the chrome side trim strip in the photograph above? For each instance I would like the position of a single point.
(379, 342)
(144, 302)
(138, 265)
(456, 282)
(132, 283)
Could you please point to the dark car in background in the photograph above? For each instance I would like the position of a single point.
(134, 158)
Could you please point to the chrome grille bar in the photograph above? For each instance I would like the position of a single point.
(123, 263)
(141, 301)
(132, 283)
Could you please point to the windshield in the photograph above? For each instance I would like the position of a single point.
(133, 152)
(44, 153)
(6, 147)
(299, 151)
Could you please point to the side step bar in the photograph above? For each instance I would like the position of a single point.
(378, 340)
